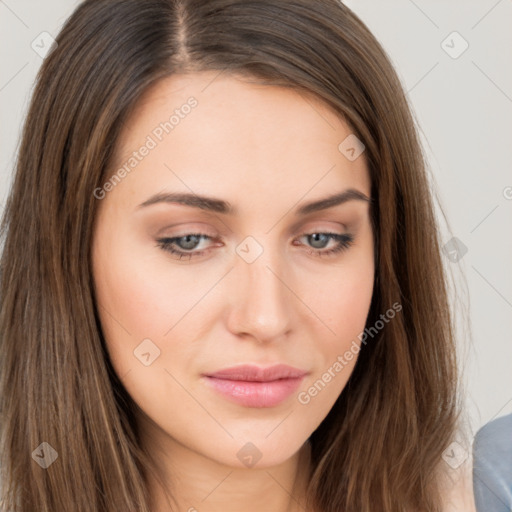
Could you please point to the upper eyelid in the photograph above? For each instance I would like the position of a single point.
(214, 233)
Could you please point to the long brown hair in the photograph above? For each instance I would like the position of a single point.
(379, 448)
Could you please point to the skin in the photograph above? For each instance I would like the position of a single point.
(267, 150)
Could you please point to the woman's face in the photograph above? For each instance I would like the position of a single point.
(265, 272)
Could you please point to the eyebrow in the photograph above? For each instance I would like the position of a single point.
(224, 207)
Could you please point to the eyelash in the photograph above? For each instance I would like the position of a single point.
(344, 242)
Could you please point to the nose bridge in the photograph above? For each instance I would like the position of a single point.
(261, 301)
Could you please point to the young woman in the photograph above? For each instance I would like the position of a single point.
(221, 279)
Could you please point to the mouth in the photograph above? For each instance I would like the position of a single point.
(251, 386)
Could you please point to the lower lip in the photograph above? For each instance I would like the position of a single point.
(255, 394)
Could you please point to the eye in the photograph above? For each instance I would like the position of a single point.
(186, 246)
(321, 240)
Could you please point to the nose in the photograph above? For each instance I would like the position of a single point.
(261, 300)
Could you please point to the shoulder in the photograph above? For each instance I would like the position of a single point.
(492, 467)
(494, 438)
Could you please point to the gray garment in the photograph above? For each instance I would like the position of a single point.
(492, 466)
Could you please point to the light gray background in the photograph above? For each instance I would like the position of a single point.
(463, 107)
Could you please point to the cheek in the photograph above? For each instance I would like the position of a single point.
(343, 300)
(140, 299)
(342, 305)
(131, 305)
(137, 308)
(345, 304)
(345, 312)
(137, 294)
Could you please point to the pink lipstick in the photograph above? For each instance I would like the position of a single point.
(252, 386)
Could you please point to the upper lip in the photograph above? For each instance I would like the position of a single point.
(257, 374)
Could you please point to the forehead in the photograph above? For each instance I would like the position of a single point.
(214, 133)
